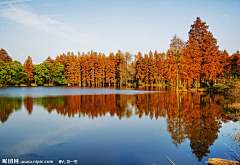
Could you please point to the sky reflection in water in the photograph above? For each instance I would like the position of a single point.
(114, 129)
(62, 91)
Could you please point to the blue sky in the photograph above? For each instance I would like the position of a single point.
(42, 28)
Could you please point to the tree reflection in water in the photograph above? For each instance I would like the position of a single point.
(8, 105)
(28, 104)
(189, 115)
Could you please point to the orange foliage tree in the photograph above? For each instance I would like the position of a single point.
(159, 69)
(202, 53)
(28, 65)
(4, 56)
(232, 67)
(140, 72)
(112, 68)
(176, 62)
(151, 68)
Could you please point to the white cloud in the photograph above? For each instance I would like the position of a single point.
(43, 140)
(22, 15)
(11, 2)
(32, 144)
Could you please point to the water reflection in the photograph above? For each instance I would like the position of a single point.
(8, 105)
(191, 116)
(28, 104)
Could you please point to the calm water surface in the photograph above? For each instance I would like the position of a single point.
(111, 126)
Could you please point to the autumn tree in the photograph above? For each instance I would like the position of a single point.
(50, 60)
(177, 59)
(102, 66)
(88, 63)
(151, 68)
(128, 58)
(232, 67)
(140, 68)
(28, 65)
(99, 67)
(112, 68)
(128, 61)
(160, 69)
(79, 69)
(4, 56)
(68, 67)
(108, 71)
(91, 62)
(131, 68)
(74, 70)
(202, 53)
(119, 61)
(145, 69)
(170, 66)
(83, 63)
(61, 59)
(123, 73)
(96, 68)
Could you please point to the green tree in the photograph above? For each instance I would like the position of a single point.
(58, 77)
(6, 73)
(50, 64)
(21, 73)
(41, 73)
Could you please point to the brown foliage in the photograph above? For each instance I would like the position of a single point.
(28, 104)
(233, 62)
(4, 56)
(202, 54)
(28, 65)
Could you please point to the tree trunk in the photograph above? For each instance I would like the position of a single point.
(114, 82)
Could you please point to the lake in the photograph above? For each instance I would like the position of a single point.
(72, 125)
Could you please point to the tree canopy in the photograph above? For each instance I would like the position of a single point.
(196, 62)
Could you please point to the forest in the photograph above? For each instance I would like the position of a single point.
(195, 63)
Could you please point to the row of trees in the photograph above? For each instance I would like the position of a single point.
(14, 73)
(196, 62)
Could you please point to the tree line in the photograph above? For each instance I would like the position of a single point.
(194, 63)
